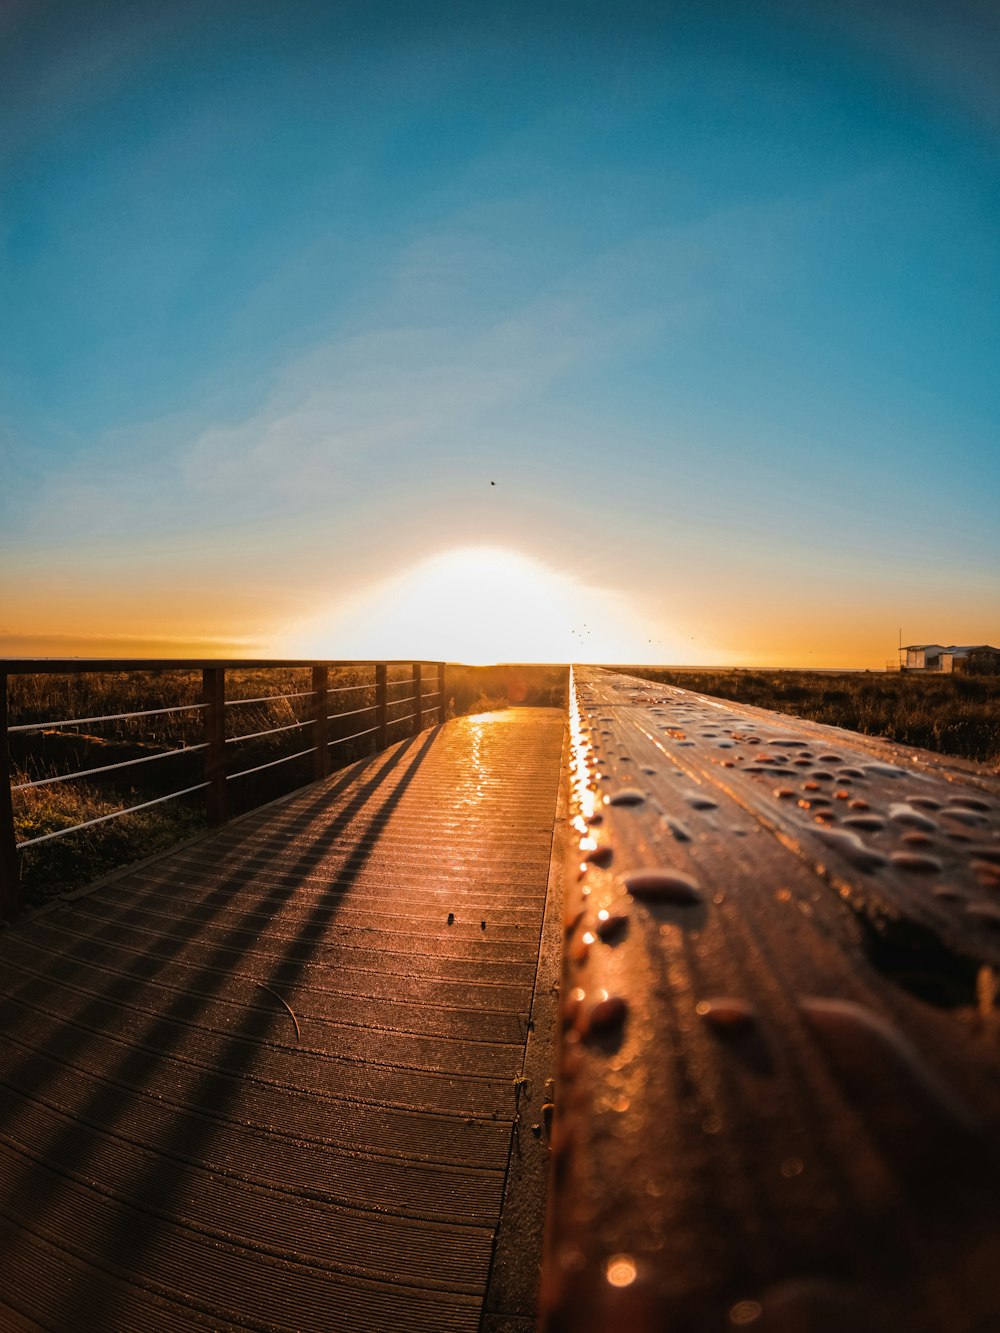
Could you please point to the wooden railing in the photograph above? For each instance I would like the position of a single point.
(778, 1092)
(375, 723)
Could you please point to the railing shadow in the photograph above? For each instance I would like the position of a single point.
(133, 1223)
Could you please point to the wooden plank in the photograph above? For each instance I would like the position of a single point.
(778, 1092)
(271, 1080)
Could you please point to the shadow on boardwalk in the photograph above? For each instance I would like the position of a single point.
(150, 1085)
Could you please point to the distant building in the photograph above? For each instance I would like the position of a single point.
(955, 657)
(923, 656)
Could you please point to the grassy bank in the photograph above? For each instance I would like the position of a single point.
(953, 714)
(68, 862)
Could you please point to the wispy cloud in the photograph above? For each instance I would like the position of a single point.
(382, 395)
(336, 424)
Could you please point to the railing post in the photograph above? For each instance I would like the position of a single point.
(418, 720)
(382, 705)
(442, 697)
(213, 694)
(10, 879)
(320, 685)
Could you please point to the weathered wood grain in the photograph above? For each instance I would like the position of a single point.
(270, 1080)
(778, 1100)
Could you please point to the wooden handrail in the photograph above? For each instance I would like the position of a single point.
(778, 1059)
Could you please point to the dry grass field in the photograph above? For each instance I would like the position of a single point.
(952, 714)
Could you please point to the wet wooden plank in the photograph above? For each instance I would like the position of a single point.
(270, 1080)
(778, 1096)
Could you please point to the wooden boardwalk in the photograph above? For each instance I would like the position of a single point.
(779, 1084)
(269, 1081)
(274, 1079)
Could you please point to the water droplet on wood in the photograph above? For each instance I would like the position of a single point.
(915, 863)
(727, 1014)
(902, 813)
(963, 815)
(599, 856)
(572, 918)
(852, 848)
(869, 822)
(972, 802)
(678, 829)
(986, 873)
(673, 886)
(611, 924)
(606, 1016)
(627, 796)
(745, 1312)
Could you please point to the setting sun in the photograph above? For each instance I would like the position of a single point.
(476, 604)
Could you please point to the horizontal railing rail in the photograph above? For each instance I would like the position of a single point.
(108, 717)
(213, 745)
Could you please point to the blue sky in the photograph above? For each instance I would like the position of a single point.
(709, 291)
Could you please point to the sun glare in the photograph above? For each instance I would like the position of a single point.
(477, 605)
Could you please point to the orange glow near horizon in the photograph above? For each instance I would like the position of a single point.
(477, 605)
